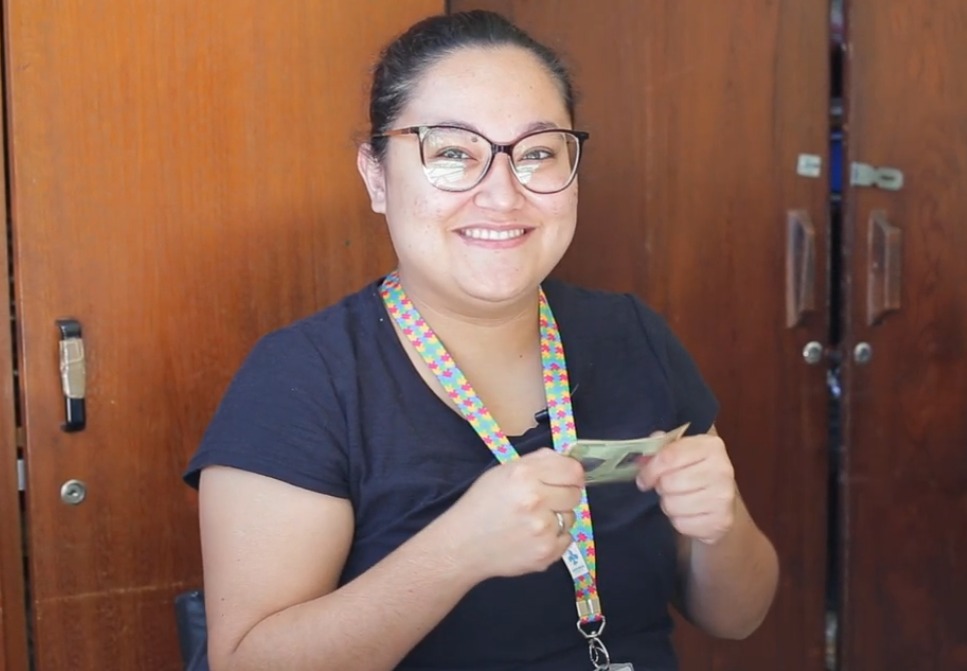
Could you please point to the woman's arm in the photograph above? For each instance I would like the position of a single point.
(728, 586)
(728, 567)
(273, 554)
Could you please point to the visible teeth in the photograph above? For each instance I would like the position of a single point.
(489, 234)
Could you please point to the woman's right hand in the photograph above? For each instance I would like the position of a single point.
(505, 524)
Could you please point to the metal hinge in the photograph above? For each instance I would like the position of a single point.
(863, 174)
(832, 634)
(809, 165)
(21, 476)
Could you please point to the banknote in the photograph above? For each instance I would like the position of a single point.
(617, 460)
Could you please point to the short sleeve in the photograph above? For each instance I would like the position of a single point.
(694, 400)
(281, 418)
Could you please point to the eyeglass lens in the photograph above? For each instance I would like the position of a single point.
(455, 159)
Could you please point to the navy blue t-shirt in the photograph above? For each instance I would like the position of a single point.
(333, 404)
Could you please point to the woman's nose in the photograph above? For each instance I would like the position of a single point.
(500, 188)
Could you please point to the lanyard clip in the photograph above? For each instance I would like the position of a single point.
(598, 654)
(591, 631)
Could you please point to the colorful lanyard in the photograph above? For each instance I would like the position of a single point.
(580, 556)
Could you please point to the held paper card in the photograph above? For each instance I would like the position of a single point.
(617, 460)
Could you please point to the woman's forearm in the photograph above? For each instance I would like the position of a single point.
(370, 623)
(730, 585)
(508, 523)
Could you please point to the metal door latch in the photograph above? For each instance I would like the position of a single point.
(863, 174)
(73, 373)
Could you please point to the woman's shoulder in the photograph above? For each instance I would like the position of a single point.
(611, 321)
(597, 308)
(333, 331)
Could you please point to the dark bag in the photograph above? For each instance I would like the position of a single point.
(192, 630)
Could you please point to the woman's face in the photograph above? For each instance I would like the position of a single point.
(491, 245)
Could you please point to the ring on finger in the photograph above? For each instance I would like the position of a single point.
(561, 524)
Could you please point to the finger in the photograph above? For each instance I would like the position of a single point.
(680, 506)
(687, 480)
(554, 523)
(562, 498)
(553, 468)
(682, 453)
(563, 521)
(650, 471)
(685, 452)
(561, 471)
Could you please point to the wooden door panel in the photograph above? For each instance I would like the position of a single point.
(183, 181)
(13, 621)
(905, 477)
(698, 112)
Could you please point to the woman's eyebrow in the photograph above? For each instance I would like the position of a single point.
(542, 125)
(533, 126)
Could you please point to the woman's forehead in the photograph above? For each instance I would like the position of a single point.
(477, 85)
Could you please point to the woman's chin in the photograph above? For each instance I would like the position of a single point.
(502, 290)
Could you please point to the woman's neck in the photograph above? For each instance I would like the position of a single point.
(498, 350)
(509, 329)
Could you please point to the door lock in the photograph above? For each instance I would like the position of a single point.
(73, 492)
(812, 353)
(862, 353)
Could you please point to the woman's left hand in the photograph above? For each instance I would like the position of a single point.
(695, 482)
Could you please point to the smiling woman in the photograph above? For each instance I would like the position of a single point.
(376, 490)
(450, 195)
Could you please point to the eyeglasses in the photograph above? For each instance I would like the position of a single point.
(457, 159)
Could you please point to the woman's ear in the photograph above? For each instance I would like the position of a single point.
(373, 176)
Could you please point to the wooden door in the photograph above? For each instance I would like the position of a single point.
(13, 627)
(905, 470)
(698, 112)
(183, 181)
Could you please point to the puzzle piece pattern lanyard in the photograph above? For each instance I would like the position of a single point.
(580, 555)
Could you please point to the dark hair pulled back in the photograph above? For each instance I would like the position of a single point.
(404, 61)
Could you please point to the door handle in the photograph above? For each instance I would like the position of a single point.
(800, 267)
(73, 374)
(883, 277)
